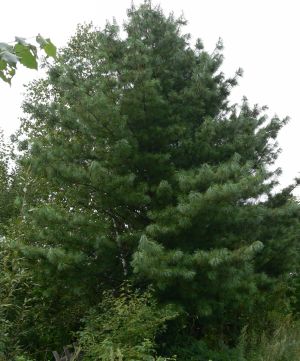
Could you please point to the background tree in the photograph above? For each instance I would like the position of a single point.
(140, 168)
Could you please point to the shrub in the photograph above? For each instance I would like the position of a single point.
(281, 344)
(124, 327)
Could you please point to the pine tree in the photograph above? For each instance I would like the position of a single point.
(144, 170)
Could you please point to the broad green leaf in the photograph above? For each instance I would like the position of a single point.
(40, 40)
(12, 72)
(23, 42)
(9, 57)
(50, 49)
(47, 46)
(27, 57)
(4, 77)
(33, 49)
(3, 64)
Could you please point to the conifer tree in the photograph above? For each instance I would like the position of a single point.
(144, 170)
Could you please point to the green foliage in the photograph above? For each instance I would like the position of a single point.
(279, 344)
(22, 52)
(6, 187)
(47, 46)
(134, 166)
(124, 327)
(15, 307)
(23, 358)
(198, 350)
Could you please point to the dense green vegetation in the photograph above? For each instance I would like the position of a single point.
(142, 219)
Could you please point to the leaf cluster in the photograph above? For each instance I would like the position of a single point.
(24, 53)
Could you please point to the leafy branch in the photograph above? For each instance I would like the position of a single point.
(24, 53)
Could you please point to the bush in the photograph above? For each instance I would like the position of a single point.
(14, 305)
(124, 327)
(282, 344)
(23, 358)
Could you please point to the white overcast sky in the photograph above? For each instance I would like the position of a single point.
(260, 36)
